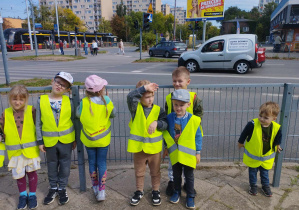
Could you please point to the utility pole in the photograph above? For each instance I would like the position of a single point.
(4, 50)
(35, 40)
(29, 26)
(57, 20)
(204, 30)
(174, 20)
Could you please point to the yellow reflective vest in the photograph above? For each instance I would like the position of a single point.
(253, 154)
(65, 131)
(2, 154)
(140, 139)
(27, 144)
(96, 128)
(185, 151)
(169, 103)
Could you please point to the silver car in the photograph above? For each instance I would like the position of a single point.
(231, 51)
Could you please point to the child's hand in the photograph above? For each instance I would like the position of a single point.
(42, 148)
(279, 149)
(165, 153)
(240, 145)
(152, 127)
(74, 145)
(152, 87)
(197, 158)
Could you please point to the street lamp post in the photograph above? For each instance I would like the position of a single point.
(35, 40)
(29, 27)
(174, 19)
(57, 20)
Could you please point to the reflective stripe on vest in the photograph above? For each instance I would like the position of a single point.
(2, 152)
(140, 139)
(58, 134)
(21, 146)
(182, 149)
(145, 139)
(259, 158)
(97, 137)
(169, 103)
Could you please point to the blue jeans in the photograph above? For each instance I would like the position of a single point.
(264, 173)
(61, 51)
(86, 52)
(97, 157)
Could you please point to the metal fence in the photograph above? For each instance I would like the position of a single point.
(227, 109)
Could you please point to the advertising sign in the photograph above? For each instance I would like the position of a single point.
(205, 9)
(238, 44)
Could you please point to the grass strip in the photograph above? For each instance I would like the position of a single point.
(49, 58)
(155, 60)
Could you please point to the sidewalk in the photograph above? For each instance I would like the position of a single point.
(270, 53)
(219, 185)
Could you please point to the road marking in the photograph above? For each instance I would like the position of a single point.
(136, 71)
(274, 64)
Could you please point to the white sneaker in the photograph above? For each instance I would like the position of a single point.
(95, 190)
(101, 195)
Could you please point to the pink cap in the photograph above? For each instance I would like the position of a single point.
(94, 83)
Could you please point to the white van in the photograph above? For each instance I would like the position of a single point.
(231, 51)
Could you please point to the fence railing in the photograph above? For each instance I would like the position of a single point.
(227, 109)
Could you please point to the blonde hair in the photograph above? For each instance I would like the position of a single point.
(181, 71)
(269, 108)
(142, 83)
(18, 90)
(98, 94)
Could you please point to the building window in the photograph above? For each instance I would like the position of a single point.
(78, 12)
(90, 17)
(82, 6)
(245, 29)
(88, 11)
(51, 2)
(75, 7)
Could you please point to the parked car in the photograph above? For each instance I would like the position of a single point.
(168, 49)
(231, 51)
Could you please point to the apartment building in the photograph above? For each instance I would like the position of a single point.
(89, 11)
(165, 9)
(180, 14)
(262, 4)
(137, 5)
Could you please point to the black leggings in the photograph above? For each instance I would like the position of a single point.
(95, 51)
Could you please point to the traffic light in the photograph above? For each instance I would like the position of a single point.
(190, 27)
(95, 32)
(197, 27)
(136, 24)
(76, 30)
(52, 31)
(146, 20)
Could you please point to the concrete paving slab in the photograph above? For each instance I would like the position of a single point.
(291, 201)
(212, 204)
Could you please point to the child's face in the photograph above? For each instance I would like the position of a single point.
(147, 99)
(194, 3)
(266, 120)
(18, 103)
(180, 107)
(180, 82)
(59, 86)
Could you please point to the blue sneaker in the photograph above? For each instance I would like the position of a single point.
(22, 202)
(175, 198)
(190, 202)
(32, 202)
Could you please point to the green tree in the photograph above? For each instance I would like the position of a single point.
(264, 20)
(118, 27)
(121, 9)
(104, 26)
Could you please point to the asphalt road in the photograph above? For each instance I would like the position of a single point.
(119, 69)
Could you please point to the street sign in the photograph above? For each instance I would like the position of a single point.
(1, 20)
(150, 18)
(150, 9)
(55, 27)
(38, 25)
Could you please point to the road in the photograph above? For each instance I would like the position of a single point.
(119, 70)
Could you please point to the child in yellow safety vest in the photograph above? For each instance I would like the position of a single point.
(145, 142)
(95, 111)
(184, 141)
(56, 135)
(181, 80)
(262, 138)
(18, 127)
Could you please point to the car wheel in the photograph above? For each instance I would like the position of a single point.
(167, 54)
(192, 66)
(151, 54)
(242, 67)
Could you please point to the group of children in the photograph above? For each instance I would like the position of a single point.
(49, 128)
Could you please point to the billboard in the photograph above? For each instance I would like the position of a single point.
(205, 9)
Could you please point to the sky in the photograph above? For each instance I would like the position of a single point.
(16, 8)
